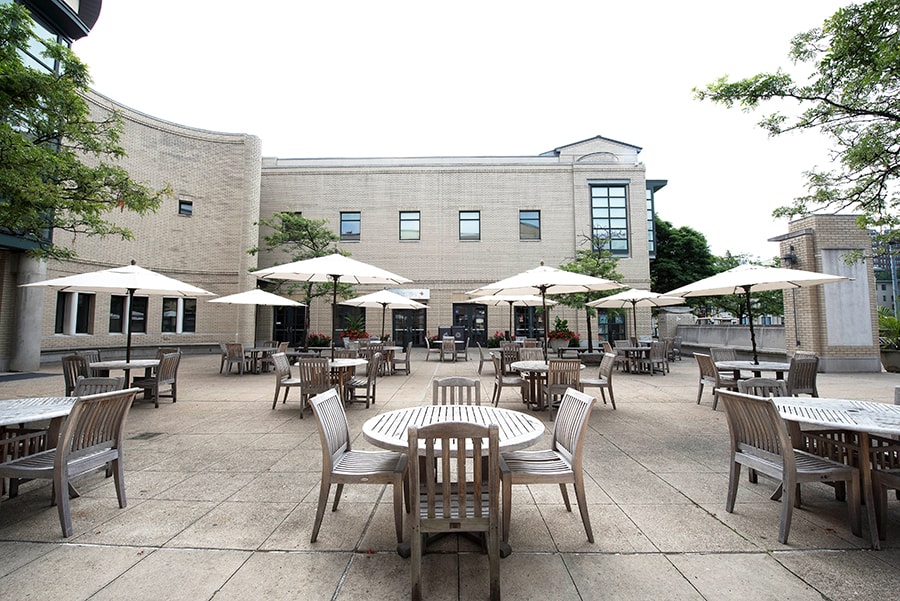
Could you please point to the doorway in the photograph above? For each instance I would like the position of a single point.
(474, 319)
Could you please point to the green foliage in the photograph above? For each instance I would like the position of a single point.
(853, 97)
(47, 139)
(770, 302)
(888, 329)
(318, 340)
(682, 257)
(494, 341)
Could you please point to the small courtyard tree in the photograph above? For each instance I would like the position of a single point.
(302, 238)
(58, 171)
(852, 95)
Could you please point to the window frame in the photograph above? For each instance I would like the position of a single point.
(185, 207)
(74, 313)
(185, 318)
(406, 220)
(464, 237)
(605, 214)
(525, 221)
(346, 219)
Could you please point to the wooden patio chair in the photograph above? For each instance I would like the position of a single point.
(456, 390)
(266, 361)
(402, 363)
(502, 381)
(448, 348)
(604, 379)
(431, 349)
(509, 354)
(762, 387)
(722, 353)
(531, 354)
(283, 378)
(885, 454)
(481, 357)
(74, 367)
(456, 492)
(760, 440)
(362, 389)
(562, 374)
(235, 355)
(342, 465)
(91, 437)
(656, 358)
(709, 374)
(560, 464)
(801, 378)
(164, 381)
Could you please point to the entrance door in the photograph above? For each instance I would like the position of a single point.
(408, 325)
(529, 322)
(474, 319)
(289, 325)
(611, 326)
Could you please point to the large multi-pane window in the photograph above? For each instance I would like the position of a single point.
(652, 187)
(74, 313)
(350, 226)
(609, 217)
(410, 225)
(470, 225)
(529, 225)
(179, 315)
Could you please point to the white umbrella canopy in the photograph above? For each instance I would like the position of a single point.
(633, 298)
(335, 268)
(545, 280)
(255, 297)
(745, 279)
(386, 300)
(128, 279)
(521, 300)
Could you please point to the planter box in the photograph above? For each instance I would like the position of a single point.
(890, 359)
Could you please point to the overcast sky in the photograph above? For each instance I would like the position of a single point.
(376, 79)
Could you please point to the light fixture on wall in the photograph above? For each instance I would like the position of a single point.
(790, 259)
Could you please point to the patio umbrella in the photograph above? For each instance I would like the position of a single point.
(520, 300)
(386, 300)
(545, 280)
(754, 278)
(129, 279)
(335, 268)
(255, 297)
(635, 297)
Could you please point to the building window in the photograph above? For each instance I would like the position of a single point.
(179, 315)
(410, 225)
(74, 313)
(350, 223)
(186, 207)
(529, 225)
(470, 225)
(651, 230)
(117, 314)
(139, 315)
(609, 217)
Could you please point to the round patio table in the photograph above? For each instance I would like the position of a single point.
(756, 368)
(535, 373)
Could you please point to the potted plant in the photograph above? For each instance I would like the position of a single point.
(560, 335)
(496, 340)
(889, 339)
(318, 340)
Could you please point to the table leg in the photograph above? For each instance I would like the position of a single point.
(865, 477)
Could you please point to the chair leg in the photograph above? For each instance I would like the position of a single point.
(119, 478)
(506, 512)
(277, 390)
(700, 392)
(61, 497)
(787, 509)
(581, 498)
(612, 399)
(734, 476)
(320, 508)
(339, 489)
(398, 507)
(565, 496)
(415, 564)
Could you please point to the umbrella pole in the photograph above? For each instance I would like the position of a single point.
(128, 338)
(546, 321)
(634, 317)
(333, 312)
(511, 332)
(750, 319)
(383, 311)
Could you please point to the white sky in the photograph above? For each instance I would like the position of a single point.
(419, 78)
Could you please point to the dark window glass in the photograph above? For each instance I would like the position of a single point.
(116, 314)
(61, 298)
(84, 314)
(186, 207)
(170, 315)
(139, 315)
(189, 315)
(609, 217)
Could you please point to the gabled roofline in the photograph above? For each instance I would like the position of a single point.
(556, 151)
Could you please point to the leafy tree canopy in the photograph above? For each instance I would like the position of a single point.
(852, 96)
(682, 257)
(47, 137)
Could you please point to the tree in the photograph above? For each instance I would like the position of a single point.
(302, 238)
(47, 138)
(596, 262)
(682, 257)
(853, 97)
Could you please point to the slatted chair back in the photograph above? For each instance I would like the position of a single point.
(166, 376)
(764, 387)
(563, 374)
(349, 353)
(97, 385)
(620, 343)
(509, 354)
(676, 347)
(708, 372)
(314, 374)
(604, 379)
(92, 355)
(455, 390)
(334, 431)
(802, 374)
(282, 367)
(531, 354)
(74, 366)
(606, 366)
(722, 353)
(530, 343)
(570, 427)
(456, 492)
(658, 357)
(607, 347)
(364, 389)
(234, 352)
(402, 363)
